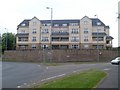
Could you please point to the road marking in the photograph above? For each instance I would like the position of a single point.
(46, 67)
(18, 86)
(34, 83)
(38, 65)
(25, 83)
(106, 69)
(74, 71)
(53, 77)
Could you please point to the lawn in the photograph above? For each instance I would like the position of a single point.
(87, 79)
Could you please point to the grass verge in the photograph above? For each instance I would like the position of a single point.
(87, 79)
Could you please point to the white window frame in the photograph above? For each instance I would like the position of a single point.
(34, 39)
(34, 31)
(45, 39)
(23, 24)
(86, 46)
(75, 39)
(64, 25)
(34, 23)
(86, 39)
(56, 25)
(75, 31)
(75, 46)
(74, 24)
(44, 46)
(34, 46)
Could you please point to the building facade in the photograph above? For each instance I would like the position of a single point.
(85, 33)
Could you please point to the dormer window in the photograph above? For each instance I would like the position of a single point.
(98, 23)
(23, 24)
(56, 25)
(64, 24)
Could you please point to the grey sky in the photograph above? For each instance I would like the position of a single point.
(15, 11)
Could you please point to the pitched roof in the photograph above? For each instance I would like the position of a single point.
(66, 21)
(95, 21)
(61, 21)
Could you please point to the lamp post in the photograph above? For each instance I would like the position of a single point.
(6, 37)
(97, 23)
(51, 25)
(51, 29)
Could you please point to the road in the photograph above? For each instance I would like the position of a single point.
(22, 75)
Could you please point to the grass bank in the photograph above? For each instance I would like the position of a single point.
(87, 79)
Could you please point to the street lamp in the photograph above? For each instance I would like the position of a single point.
(51, 25)
(97, 23)
(6, 37)
(51, 30)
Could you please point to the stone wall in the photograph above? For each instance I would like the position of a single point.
(60, 55)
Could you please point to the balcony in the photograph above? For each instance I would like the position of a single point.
(99, 34)
(59, 33)
(108, 45)
(22, 34)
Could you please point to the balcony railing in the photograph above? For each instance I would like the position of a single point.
(109, 45)
(59, 33)
(22, 34)
(95, 34)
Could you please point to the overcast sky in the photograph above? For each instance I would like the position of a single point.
(14, 12)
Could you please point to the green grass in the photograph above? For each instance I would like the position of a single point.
(87, 79)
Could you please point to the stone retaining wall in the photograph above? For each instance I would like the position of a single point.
(60, 55)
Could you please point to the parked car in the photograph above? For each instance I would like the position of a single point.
(116, 61)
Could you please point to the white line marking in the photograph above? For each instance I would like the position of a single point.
(25, 83)
(53, 77)
(38, 65)
(74, 71)
(106, 69)
(34, 83)
(46, 67)
(18, 86)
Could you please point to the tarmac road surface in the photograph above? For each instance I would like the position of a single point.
(19, 75)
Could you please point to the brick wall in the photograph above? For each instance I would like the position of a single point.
(59, 55)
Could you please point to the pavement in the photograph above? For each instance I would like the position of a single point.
(25, 75)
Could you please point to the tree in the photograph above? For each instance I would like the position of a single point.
(8, 41)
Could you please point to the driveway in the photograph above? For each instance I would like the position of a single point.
(18, 75)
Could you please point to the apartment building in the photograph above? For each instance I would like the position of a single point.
(85, 33)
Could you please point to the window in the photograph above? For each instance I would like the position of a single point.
(23, 39)
(98, 23)
(44, 46)
(23, 24)
(56, 25)
(23, 31)
(34, 23)
(34, 31)
(86, 38)
(98, 30)
(34, 39)
(64, 24)
(85, 22)
(85, 30)
(75, 39)
(45, 31)
(46, 24)
(45, 39)
(33, 46)
(75, 46)
(75, 31)
(86, 46)
(74, 24)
